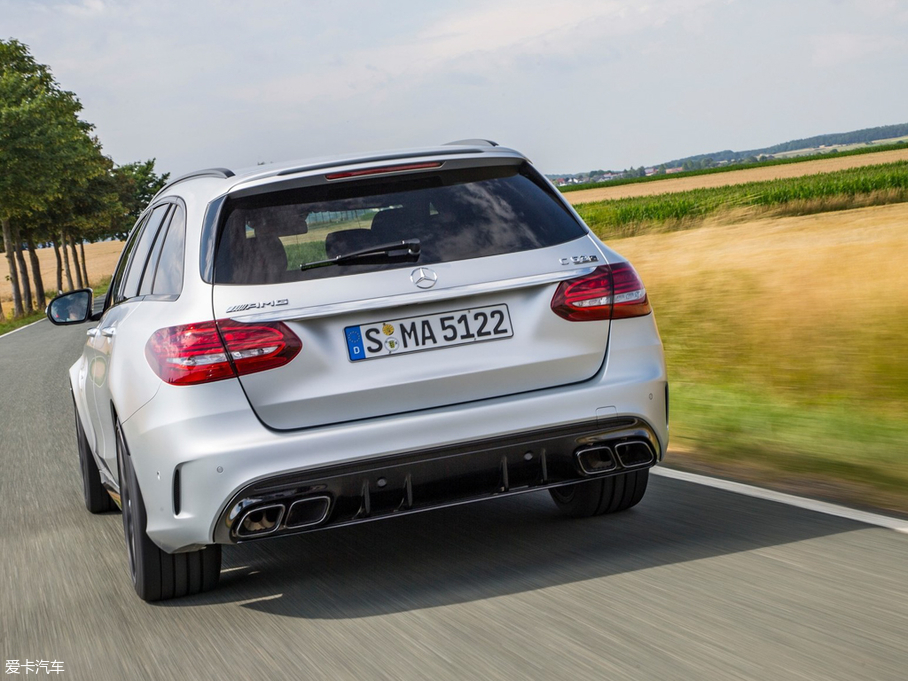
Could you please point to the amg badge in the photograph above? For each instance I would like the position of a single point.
(257, 306)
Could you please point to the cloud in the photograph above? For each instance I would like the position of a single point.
(471, 47)
(83, 8)
(836, 49)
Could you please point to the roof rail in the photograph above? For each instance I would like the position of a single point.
(222, 173)
(473, 142)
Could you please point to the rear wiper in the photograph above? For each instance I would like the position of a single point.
(397, 251)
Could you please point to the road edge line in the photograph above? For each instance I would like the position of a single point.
(10, 333)
(788, 499)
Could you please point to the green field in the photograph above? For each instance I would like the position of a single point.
(868, 185)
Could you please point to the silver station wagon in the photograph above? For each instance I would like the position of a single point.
(314, 344)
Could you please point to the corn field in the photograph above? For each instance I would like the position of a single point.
(868, 185)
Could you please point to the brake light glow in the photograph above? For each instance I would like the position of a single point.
(383, 169)
(609, 292)
(212, 351)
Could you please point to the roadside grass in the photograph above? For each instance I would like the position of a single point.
(786, 345)
(731, 168)
(839, 190)
(8, 324)
(856, 454)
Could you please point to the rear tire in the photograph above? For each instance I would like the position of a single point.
(97, 500)
(605, 495)
(156, 574)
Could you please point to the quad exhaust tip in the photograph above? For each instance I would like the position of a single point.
(635, 454)
(260, 521)
(598, 459)
(264, 520)
(307, 512)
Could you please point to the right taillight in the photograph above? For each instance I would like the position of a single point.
(195, 353)
(609, 292)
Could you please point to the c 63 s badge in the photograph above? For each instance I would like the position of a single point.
(579, 259)
(257, 306)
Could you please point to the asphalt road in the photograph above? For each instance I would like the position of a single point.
(694, 583)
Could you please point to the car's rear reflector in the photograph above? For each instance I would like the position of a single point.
(212, 351)
(383, 169)
(609, 292)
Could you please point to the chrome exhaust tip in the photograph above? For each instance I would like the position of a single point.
(596, 459)
(307, 512)
(635, 454)
(260, 521)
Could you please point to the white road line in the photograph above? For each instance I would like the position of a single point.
(250, 601)
(10, 333)
(789, 499)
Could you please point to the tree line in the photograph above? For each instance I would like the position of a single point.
(57, 188)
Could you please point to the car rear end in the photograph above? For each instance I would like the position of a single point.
(394, 334)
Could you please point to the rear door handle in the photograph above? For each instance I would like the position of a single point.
(109, 332)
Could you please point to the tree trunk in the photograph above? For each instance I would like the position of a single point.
(59, 266)
(69, 274)
(76, 267)
(40, 298)
(13, 272)
(2, 316)
(23, 271)
(84, 268)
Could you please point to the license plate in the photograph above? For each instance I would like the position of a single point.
(428, 332)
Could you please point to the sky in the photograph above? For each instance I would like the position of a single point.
(575, 85)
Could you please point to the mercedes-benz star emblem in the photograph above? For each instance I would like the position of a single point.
(423, 277)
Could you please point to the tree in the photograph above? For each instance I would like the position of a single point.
(40, 142)
(136, 184)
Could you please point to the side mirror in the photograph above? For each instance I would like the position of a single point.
(70, 308)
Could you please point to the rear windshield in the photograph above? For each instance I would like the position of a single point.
(454, 215)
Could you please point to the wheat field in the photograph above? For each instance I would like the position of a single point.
(101, 259)
(786, 349)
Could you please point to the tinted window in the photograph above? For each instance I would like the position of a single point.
(455, 215)
(139, 257)
(168, 280)
(152, 264)
(118, 274)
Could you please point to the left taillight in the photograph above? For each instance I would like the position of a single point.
(608, 292)
(212, 351)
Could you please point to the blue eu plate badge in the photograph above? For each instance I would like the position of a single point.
(355, 347)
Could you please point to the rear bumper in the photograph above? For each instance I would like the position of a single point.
(410, 482)
(200, 453)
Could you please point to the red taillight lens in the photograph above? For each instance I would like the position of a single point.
(609, 292)
(585, 299)
(630, 294)
(194, 353)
